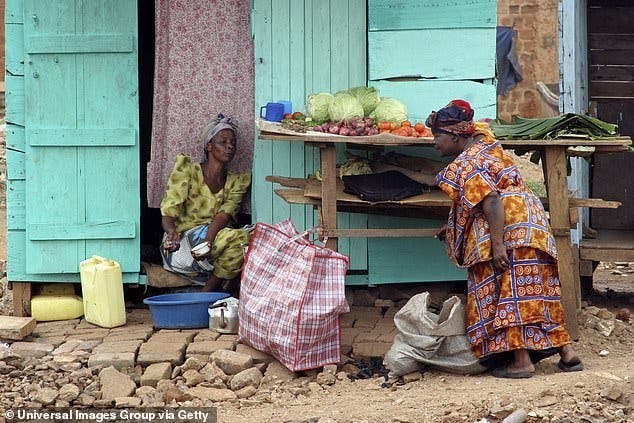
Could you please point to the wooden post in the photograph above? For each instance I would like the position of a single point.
(21, 298)
(329, 191)
(557, 186)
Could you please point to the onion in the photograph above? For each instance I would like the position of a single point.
(334, 129)
(359, 131)
(318, 129)
(344, 131)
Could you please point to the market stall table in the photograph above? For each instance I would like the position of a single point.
(555, 172)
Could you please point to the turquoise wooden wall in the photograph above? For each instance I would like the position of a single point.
(72, 137)
(303, 47)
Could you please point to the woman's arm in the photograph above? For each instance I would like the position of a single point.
(494, 213)
(220, 221)
(173, 239)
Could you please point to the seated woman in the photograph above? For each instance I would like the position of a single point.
(499, 231)
(200, 204)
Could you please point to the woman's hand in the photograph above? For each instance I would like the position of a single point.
(204, 256)
(442, 232)
(172, 241)
(500, 257)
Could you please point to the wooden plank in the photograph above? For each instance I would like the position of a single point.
(421, 97)
(16, 204)
(419, 14)
(296, 196)
(15, 137)
(555, 160)
(611, 41)
(387, 58)
(21, 298)
(80, 43)
(13, 12)
(610, 239)
(88, 230)
(611, 20)
(14, 98)
(610, 57)
(586, 268)
(612, 89)
(329, 193)
(81, 137)
(15, 164)
(606, 255)
(16, 328)
(287, 182)
(381, 233)
(14, 34)
(611, 72)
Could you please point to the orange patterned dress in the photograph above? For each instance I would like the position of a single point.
(521, 307)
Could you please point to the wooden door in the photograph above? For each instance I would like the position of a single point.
(81, 129)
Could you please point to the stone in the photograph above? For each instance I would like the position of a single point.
(605, 314)
(325, 378)
(546, 401)
(212, 372)
(231, 362)
(31, 349)
(192, 363)
(69, 392)
(175, 394)
(605, 327)
(66, 358)
(115, 384)
(127, 402)
(256, 355)
(56, 341)
(193, 377)
(85, 400)
(45, 396)
(157, 352)
(116, 360)
(156, 372)
(206, 335)
(66, 347)
(212, 394)
(103, 403)
(604, 353)
(276, 373)
(613, 392)
(370, 349)
(248, 377)
(592, 310)
(150, 397)
(130, 346)
(87, 345)
(209, 347)
(412, 377)
(623, 315)
(141, 335)
(330, 368)
(246, 392)
(380, 302)
(180, 338)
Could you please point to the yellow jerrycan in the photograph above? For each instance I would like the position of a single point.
(56, 302)
(102, 288)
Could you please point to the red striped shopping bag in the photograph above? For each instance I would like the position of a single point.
(291, 296)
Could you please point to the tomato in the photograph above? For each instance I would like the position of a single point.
(384, 125)
(406, 123)
(393, 125)
(419, 127)
(288, 116)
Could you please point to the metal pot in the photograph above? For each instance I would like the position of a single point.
(223, 316)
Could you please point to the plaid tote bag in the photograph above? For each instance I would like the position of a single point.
(291, 296)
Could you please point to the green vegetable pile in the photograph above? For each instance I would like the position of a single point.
(569, 125)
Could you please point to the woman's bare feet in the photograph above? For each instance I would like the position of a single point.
(570, 361)
(520, 368)
(212, 283)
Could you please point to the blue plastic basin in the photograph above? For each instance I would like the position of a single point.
(182, 311)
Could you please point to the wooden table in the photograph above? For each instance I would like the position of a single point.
(555, 172)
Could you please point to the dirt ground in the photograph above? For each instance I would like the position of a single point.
(603, 392)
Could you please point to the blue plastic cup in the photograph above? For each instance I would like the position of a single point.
(274, 112)
(288, 106)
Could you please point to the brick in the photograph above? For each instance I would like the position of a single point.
(150, 353)
(87, 345)
(367, 337)
(256, 355)
(228, 337)
(31, 349)
(135, 327)
(16, 328)
(387, 337)
(139, 316)
(84, 324)
(53, 340)
(117, 360)
(208, 347)
(347, 320)
(156, 372)
(381, 302)
(118, 347)
(206, 335)
(66, 347)
(140, 335)
(370, 349)
(204, 358)
(171, 337)
(88, 336)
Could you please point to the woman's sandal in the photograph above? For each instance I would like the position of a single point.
(503, 372)
(575, 366)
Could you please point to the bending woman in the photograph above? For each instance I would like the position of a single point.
(498, 229)
(200, 205)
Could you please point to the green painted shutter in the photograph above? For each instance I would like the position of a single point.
(81, 129)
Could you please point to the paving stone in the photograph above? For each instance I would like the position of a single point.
(66, 347)
(88, 336)
(228, 337)
(371, 349)
(56, 341)
(256, 355)
(127, 402)
(158, 352)
(276, 373)
(50, 333)
(212, 394)
(387, 337)
(347, 320)
(116, 360)
(69, 392)
(248, 377)
(246, 392)
(193, 377)
(209, 347)
(132, 327)
(115, 384)
(139, 316)
(84, 324)
(231, 362)
(200, 357)
(193, 363)
(206, 335)
(31, 349)
(194, 331)
(367, 337)
(156, 372)
(172, 337)
(118, 347)
(128, 336)
(87, 345)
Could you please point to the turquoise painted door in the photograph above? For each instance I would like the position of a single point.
(81, 134)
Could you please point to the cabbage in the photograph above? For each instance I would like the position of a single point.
(389, 110)
(344, 107)
(317, 106)
(367, 96)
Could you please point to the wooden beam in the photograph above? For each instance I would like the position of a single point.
(329, 192)
(380, 233)
(557, 186)
(21, 298)
(287, 182)
(586, 268)
(606, 254)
